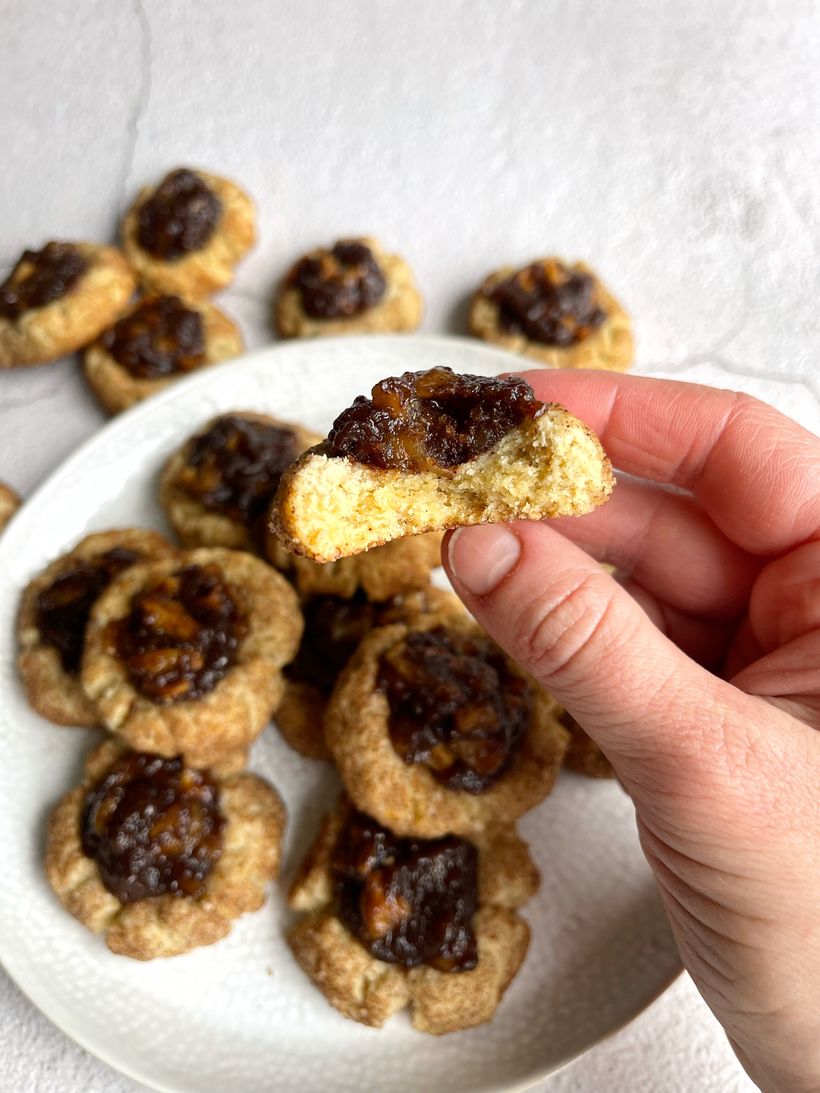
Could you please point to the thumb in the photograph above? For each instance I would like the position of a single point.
(661, 718)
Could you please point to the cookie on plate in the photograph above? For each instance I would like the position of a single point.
(184, 656)
(54, 612)
(216, 490)
(352, 287)
(334, 626)
(58, 299)
(435, 450)
(392, 922)
(186, 235)
(394, 569)
(10, 502)
(158, 857)
(158, 340)
(557, 313)
(435, 730)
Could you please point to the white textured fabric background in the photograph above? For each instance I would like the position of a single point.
(674, 146)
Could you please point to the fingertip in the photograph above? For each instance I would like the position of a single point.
(480, 558)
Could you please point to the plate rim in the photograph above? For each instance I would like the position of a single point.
(35, 991)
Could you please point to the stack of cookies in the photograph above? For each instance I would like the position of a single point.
(279, 603)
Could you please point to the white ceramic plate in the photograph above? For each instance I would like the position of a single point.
(241, 1016)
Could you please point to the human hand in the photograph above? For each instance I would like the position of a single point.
(698, 675)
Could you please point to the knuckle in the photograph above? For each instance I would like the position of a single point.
(569, 630)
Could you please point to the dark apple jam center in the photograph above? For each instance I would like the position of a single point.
(63, 608)
(338, 283)
(235, 466)
(41, 277)
(435, 419)
(333, 629)
(181, 636)
(549, 303)
(179, 217)
(408, 901)
(153, 827)
(455, 706)
(159, 338)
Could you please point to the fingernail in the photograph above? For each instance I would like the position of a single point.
(481, 557)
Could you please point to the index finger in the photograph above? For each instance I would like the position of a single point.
(754, 470)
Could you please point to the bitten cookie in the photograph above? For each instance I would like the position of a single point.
(392, 922)
(158, 340)
(435, 730)
(184, 657)
(217, 489)
(435, 450)
(557, 313)
(161, 858)
(186, 235)
(54, 612)
(350, 288)
(58, 299)
(333, 629)
(10, 502)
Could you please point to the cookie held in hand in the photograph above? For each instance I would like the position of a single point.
(435, 450)
(392, 922)
(158, 857)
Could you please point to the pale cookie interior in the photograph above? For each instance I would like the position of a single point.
(330, 507)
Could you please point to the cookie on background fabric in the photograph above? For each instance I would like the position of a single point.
(353, 287)
(334, 627)
(184, 656)
(160, 858)
(54, 612)
(58, 299)
(555, 312)
(10, 502)
(186, 235)
(435, 450)
(435, 731)
(381, 930)
(159, 339)
(217, 488)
